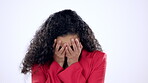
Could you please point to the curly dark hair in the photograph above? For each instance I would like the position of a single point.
(60, 23)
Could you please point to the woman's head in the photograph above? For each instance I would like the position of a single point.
(62, 25)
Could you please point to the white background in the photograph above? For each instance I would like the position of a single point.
(121, 26)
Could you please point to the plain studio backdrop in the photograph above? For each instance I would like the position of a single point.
(121, 26)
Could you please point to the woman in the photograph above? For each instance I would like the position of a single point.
(65, 50)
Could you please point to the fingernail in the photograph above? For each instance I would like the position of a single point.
(76, 39)
(54, 40)
(72, 39)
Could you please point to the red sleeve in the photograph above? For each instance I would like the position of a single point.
(72, 74)
(98, 72)
(38, 75)
(53, 71)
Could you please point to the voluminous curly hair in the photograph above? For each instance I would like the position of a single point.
(60, 23)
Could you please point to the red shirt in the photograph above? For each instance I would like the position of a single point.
(90, 69)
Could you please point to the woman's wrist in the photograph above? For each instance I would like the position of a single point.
(60, 63)
(70, 62)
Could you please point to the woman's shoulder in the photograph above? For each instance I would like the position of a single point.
(94, 58)
(94, 54)
(40, 67)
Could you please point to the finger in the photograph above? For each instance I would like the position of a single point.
(62, 49)
(80, 49)
(54, 42)
(58, 46)
(64, 52)
(54, 45)
(69, 49)
(73, 45)
(67, 52)
(81, 45)
(77, 43)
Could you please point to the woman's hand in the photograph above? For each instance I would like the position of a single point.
(73, 54)
(59, 52)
